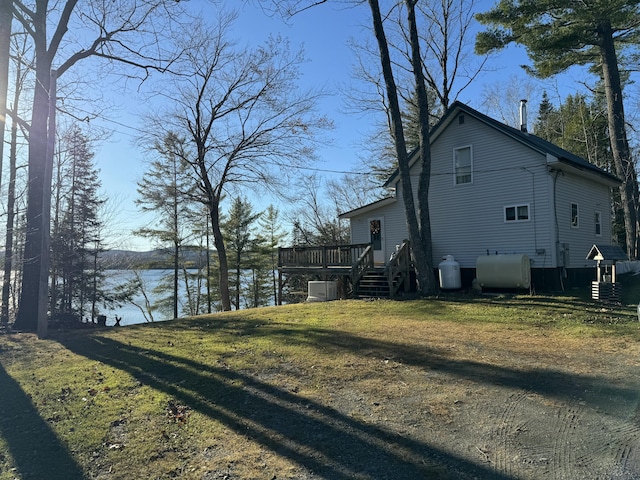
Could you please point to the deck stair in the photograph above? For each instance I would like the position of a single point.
(373, 284)
(354, 264)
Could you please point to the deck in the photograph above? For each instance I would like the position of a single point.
(323, 260)
(352, 263)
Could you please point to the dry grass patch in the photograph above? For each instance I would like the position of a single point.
(339, 390)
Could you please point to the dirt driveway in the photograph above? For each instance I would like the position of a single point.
(394, 397)
(502, 405)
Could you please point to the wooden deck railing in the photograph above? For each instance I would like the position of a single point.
(397, 270)
(320, 257)
(353, 261)
(362, 265)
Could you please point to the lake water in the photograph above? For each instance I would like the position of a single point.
(129, 313)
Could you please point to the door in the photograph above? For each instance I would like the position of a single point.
(376, 233)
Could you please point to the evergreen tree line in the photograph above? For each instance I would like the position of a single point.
(579, 125)
(243, 126)
(76, 280)
(181, 224)
(79, 291)
(231, 105)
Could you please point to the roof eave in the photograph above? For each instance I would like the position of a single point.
(597, 175)
(368, 208)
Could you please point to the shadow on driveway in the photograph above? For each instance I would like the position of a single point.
(318, 438)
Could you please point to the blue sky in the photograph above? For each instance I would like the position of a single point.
(324, 32)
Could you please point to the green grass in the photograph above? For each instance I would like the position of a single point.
(180, 399)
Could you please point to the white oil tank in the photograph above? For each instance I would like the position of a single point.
(449, 273)
(503, 271)
(322, 291)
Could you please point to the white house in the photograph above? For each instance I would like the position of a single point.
(499, 190)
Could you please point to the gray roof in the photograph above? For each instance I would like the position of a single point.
(528, 139)
(365, 208)
(608, 252)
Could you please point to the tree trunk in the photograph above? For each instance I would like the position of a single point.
(27, 318)
(238, 277)
(176, 272)
(5, 41)
(209, 300)
(618, 137)
(423, 256)
(218, 242)
(11, 206)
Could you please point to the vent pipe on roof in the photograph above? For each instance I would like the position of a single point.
(523, 116)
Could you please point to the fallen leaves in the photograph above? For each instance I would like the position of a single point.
(177, 412)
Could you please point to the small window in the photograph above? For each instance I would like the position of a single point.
(516, 213)
(574, 215)
(462, 165)
(598, 223)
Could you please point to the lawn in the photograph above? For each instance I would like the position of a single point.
(339, 390)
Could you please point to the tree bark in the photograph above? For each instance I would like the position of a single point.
(419, 234)
(27, 318)
(218, 241)
(5, 40)
(618, 137)
(424, 257)
(11, 206)
(213, 205)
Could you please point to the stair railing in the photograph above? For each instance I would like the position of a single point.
(362, 265)
(397, 270)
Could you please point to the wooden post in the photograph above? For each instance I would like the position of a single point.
(613, 272)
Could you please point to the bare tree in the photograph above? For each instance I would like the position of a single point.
(502, 99)
(315, 221)
(9, 275)
(6, 18)
(242, 116)
(418, 221)
(449, 63)
(117, 31)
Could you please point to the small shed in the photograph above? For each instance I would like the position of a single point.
(604, 287)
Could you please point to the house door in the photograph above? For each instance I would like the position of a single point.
(376, 233)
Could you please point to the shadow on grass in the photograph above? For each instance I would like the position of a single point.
(318, 438)
(603, 392)
(36, 451)
(550, 383)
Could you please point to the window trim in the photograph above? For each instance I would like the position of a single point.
(455, 171)
(516, 207)
(576, 223)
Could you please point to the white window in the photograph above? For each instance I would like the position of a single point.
(462, 165)
(574, 216)
(598, 223)
(516, 213)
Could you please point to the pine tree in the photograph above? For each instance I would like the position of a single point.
(546, 122)
(164, 191)
(238, 231)
(76, 279)
(270, 227)
(592, 33)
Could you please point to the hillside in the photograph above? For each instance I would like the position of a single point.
(459, 387)
(159, 258)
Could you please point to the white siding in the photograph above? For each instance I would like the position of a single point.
(468, 220)
(394, 231)
(590, 197)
